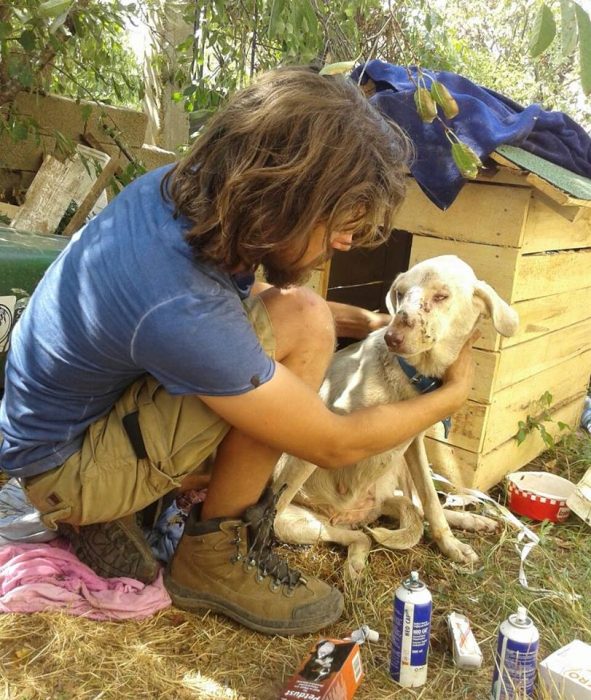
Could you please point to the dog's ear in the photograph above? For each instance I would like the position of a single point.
(392, 297)
(504, 318)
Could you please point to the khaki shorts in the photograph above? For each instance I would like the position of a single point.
(105, 480)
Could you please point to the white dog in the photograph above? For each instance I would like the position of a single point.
(435, 307)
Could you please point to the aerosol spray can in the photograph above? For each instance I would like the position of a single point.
(411, 629)
(515, 661)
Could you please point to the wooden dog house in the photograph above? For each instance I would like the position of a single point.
(530, 238)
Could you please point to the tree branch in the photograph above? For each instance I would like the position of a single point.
(12, 87)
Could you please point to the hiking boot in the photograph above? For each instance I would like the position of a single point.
(117, 548)
(228, 566)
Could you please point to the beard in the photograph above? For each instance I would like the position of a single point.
(282, 275)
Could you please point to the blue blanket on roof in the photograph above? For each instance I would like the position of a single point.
(486, 120)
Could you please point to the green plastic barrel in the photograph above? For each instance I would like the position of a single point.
(24, 257)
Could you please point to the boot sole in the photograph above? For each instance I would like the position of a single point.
(187, 599)
(114, 549)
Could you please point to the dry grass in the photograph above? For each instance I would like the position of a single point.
(177, 655)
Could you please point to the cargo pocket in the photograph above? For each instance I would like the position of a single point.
(118, 488)
(179, 432)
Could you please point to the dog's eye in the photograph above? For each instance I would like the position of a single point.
(440, 297)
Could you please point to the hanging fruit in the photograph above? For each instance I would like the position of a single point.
(426, 106)
(443, 97)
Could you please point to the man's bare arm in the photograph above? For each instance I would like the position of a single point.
(286, 414)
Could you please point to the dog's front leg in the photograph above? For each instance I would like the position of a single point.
(416, 458)
(290, 474)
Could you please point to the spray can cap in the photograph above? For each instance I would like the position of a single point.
(413, 583)
(364, 633)
(521, 618)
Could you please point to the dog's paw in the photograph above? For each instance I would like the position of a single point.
(471, 522)
(457, 551)
(357, 559)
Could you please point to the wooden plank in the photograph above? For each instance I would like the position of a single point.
(467, 427)
(517, 402)
(481, 428)
(555, 193)
(541, 275)
(501, 175)
(482, 213)
(54, 187)
(66, 115)
(25, 155)
(465, 468)
(490, 263)
(540, 184)
(8, 210)
(487, 364)
(91, 198)
(552, 227)
(531, 358)
(538, 317)
(510, 456)
(454, 463)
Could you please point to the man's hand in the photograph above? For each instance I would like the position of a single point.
(460, 375)
(356, 322)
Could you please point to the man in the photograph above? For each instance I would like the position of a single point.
(145, 349)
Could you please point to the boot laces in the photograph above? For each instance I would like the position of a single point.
(260, 552)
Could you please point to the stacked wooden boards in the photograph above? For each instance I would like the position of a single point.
(532, 243)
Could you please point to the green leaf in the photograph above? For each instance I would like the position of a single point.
(28, 40)
(86, 112)
(309, 16)
(53, 8)
(5, 30)
(336, 68)
(584, 24)
(19, 132)
(546, 399)
(544, 31)
(568, 31)
(25, 77)
(466, 159)
(275, 27)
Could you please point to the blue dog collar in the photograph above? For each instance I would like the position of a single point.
(423, 385)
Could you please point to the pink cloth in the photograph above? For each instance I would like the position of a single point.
(43, 577)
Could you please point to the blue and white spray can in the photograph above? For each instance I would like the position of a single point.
(411, 629)
(516, 658)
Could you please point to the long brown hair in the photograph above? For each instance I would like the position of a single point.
(289, 151)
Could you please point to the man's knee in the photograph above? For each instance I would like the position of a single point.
(301, 319)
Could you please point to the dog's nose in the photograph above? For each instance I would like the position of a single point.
(393, 339)
(406, 319)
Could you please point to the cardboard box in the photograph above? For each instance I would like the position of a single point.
(331, 671)
(580, 499)
(566, 674)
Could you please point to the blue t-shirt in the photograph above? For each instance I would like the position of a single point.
(126, 297)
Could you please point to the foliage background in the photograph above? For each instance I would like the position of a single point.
(84, 48)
